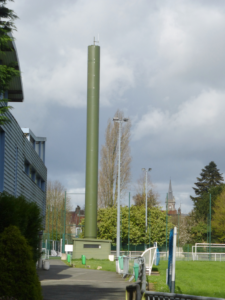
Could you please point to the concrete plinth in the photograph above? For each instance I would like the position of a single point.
(91, 248)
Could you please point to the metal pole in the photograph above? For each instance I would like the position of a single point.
(56, 223)
(178, 231)
(49, 226)
(64, 226)
(210, 226)
(61, 226)
(129, 225)
(121, 234)
(52, 223)
(91, 184)
(118, 202)
(146, 207)
(174, 260)
(149, 229)
(207, 228)
(166, 221)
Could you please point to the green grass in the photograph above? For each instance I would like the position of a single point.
(94, 263)
(194, 278)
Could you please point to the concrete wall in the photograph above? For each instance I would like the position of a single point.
(17, 151)
(102, 250)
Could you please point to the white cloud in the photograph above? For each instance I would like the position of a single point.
(199, 115)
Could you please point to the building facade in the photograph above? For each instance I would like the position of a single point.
(22, 154)
(75, 219)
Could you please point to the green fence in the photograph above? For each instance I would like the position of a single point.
(52, 242)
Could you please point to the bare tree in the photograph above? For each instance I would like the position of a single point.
(55, 208)
(140, 197)
(108, 173)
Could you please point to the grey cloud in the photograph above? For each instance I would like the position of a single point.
(161, 62)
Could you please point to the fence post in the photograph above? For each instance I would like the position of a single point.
(129, 226)
(166, 221)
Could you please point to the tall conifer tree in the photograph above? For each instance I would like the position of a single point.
(108, 172)
(210, 177)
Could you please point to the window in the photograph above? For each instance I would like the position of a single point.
(27, 167)
(43, 185)
(32, 173)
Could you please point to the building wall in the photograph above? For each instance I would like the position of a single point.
(17, 151)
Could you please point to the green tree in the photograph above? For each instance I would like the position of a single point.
(7, 70)
(209, 177)
(55, 203)
(218, 220)
(24, 214)
(197, 230)
(18, 276)
(140, 197)
(107, 224)
(202, 206)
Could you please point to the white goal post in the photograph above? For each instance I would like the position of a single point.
(149, 255)
(206, 249)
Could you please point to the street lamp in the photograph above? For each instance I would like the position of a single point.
(117, 120)
(146, 223)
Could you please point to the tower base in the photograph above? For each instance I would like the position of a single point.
(91, 248)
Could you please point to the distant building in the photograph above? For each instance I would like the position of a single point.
(75, 219)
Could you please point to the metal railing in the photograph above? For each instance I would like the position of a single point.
(138, 291)
(128, 253)
(201, 256)
(185, 256)
(170, 296)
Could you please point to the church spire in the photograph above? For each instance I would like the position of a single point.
(171, 200)
(170, 192)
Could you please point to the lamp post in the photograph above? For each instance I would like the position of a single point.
(117, 120)
(146, 206)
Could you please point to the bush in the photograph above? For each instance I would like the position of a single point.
(18, 276)
(7, 298)
(23, 214)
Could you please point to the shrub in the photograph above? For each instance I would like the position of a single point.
(18, 276)
(25, 215)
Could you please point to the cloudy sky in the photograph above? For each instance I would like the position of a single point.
(162, 63)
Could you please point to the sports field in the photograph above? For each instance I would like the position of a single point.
(198, 278)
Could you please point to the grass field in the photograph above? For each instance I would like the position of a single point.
(198, 278)
(94, 263)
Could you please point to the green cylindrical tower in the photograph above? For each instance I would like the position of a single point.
(91, 185)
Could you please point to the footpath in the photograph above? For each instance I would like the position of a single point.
(61, 282)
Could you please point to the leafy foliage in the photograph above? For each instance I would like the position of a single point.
(107, 224)
(140, 197)
(218, 221)
(23, 214)
(18, 276)
(202, 206)
(7, 71)
(55, 203)
(196, 229)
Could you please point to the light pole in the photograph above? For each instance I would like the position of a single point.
(146, 206)
(117, 120)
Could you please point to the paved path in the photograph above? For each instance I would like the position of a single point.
(65, 283)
